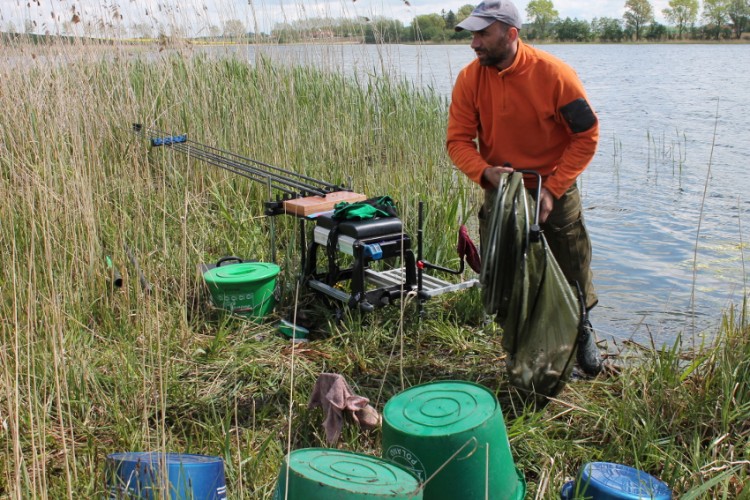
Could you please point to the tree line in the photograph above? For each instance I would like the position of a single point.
(687, 20)
(717, 19)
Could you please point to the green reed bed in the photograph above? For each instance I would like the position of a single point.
(87, 369)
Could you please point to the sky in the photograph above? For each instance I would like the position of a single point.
(197, 16)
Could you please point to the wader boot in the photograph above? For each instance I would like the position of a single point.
(587, 354)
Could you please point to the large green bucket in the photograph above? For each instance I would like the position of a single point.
(246, 289)
(452, 435)
(329, 474)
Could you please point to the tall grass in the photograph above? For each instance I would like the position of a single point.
(89, 369)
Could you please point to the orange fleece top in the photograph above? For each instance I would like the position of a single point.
(515, 115)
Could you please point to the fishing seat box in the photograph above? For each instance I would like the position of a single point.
(362, 229)
(366, 240)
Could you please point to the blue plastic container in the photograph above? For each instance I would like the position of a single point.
(609, 481)
(177, 476)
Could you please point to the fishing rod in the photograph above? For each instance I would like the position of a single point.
(290, 184)
(365, 241)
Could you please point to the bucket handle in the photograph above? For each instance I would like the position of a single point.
(472, 440)
(474, 450)
(228, 258)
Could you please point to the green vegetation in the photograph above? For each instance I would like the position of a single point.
(721, 20)
(87, 369)
(724, 19)
(638, 22)
(682, 13)
(543, 15)
(638, 13)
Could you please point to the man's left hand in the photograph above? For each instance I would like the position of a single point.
(546, 202)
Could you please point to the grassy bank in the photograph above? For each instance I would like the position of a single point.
(88, 369)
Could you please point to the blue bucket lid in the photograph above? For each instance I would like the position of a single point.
(610, 481)
(169, 458)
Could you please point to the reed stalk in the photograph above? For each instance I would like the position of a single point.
(88, 369)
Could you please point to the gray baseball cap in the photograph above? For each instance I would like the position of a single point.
(487, 13)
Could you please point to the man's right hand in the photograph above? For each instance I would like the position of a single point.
(491, 175)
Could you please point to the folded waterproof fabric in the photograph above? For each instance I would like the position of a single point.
(381, 206)
(524, 287)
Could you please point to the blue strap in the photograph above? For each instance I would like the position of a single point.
(165, 141)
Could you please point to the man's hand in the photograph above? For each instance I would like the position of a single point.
(491, 175)
(546, 202)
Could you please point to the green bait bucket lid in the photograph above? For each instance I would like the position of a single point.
(441, 408)
(329, 474)
(246, 272)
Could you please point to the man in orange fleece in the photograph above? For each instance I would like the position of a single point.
(527, 110)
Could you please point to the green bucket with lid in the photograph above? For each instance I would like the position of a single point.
(330, 474)
(452, 435)
(246, 289)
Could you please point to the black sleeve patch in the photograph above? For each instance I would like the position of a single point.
(579, 115)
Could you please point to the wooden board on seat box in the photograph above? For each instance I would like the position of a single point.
(314, 204)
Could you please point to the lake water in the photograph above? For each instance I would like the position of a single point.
(666, 197)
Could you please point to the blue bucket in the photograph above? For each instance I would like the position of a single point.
(176, 476)
(609, 481)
